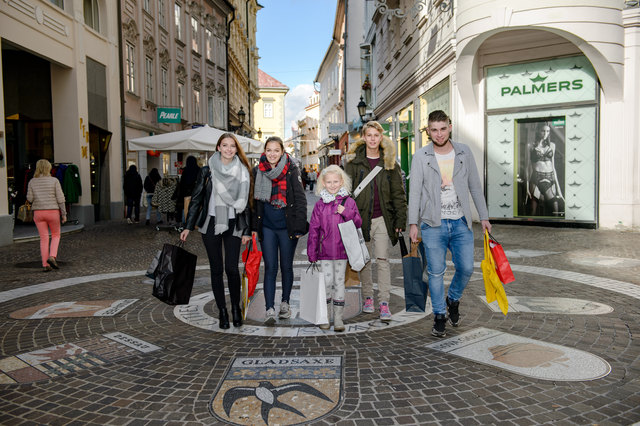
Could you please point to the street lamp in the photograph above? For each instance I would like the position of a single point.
(241, 116)
(362, 108)
(259, 134)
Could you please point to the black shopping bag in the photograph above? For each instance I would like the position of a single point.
(151, 270)
(415, 289)
(174, 275)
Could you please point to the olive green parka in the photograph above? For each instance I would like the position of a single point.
(393, 201)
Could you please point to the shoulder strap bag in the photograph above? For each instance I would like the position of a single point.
(372, 174)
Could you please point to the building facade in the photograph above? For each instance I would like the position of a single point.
(60, 100)
(339, 78)
(243, 66)
(551, 86)
(308, 129)
(174, 71)
(269, 109)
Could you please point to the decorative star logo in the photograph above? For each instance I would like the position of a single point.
(538, 78)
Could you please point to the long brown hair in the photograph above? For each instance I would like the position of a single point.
(243, 159)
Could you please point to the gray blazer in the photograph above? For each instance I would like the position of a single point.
(425, 181)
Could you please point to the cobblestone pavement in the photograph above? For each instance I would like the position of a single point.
(140, 364)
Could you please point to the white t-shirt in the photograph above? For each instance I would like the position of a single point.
(450, 205)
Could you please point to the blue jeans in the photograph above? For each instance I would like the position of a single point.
(274, 240)
(456, 236)
(149, 207)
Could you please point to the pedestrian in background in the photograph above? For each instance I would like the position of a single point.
(220, 207)
(325, 244)
(312, 176)
(305, 178)
(150, 186)
(279, 219)
(187, 182)
(47, 201)
(382, 205)
(132, 192)
(443, 175)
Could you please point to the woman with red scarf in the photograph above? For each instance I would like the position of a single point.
(279, 219)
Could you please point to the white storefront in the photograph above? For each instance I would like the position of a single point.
(505, 70)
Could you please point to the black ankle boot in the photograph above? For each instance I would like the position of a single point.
(236, 313)
(224, 319)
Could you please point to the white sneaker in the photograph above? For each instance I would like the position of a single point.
(270, 318)
(129, 221)
(285, 311)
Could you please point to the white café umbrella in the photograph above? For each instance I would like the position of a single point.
(199, 139)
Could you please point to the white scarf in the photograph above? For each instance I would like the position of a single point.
(327, 197)
(230, 189)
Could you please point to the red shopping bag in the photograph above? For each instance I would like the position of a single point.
(502, 264)
(251, 257)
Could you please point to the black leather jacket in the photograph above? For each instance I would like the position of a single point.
(199, 205)
(295, 211)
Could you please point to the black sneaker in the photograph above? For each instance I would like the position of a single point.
(439, 322)
(454, 315)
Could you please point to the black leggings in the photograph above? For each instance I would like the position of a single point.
(213, 244)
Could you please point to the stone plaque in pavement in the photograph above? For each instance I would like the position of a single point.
(278, 390)
(93, 308)
(551, 305)
(132, 342)
(528, 357)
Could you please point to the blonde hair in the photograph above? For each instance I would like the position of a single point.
(346, 180)
(43, 168)
(373, 124)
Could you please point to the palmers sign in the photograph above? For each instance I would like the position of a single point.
(554, 81)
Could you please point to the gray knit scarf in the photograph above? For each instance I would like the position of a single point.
(230, 185)
(263, 187)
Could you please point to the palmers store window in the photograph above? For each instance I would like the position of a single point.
(541, 135)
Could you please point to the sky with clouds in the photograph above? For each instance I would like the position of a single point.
(293, 37)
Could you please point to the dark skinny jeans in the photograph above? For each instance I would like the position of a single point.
(213, 243)
(274, 240)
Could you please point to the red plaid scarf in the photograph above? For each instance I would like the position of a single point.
(279, 184)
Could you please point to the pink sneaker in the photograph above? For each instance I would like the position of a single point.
(368, 305)
(385, 315)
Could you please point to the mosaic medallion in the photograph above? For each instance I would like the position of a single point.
(278, 390)
(551, 305)
(93, 308)
(60, 360)
(524, 356)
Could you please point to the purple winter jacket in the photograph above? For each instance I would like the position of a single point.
(323, 242)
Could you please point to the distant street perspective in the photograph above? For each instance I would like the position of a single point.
(336, 212)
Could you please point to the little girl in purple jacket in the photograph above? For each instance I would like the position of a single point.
(324, 243)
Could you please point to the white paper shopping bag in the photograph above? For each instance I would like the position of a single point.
(313, 298)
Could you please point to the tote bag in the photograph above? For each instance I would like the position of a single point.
(313, 298)
(174, 275)
(415, 289)
(492, 285)
(503, 268)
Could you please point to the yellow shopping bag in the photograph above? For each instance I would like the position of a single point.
(244, 295)
(492, 285)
